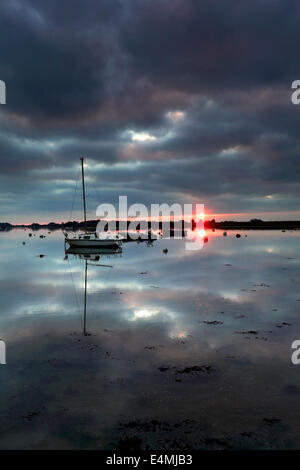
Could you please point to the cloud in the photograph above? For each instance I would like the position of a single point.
(193, 96)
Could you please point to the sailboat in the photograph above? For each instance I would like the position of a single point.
(90, 239)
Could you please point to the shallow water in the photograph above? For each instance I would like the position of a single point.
(169, 362)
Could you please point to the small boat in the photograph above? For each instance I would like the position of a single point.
(90, 239)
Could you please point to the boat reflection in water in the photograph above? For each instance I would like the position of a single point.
(91, 256)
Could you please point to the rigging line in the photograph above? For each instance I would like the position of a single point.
(74, 195)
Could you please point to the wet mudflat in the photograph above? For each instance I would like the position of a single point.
(185, 350)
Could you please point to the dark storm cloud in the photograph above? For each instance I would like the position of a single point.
(214, 44)
(87, 78)
(51, 71)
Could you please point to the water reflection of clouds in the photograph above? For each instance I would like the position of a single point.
(144, 313)
(140, 323)
(181, 283)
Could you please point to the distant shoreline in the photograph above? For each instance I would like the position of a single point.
(253, 224)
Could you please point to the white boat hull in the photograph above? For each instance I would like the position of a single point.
(93, 243)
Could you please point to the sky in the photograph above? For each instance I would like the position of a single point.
(169, 101)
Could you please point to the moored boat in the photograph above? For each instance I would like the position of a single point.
(90, 239)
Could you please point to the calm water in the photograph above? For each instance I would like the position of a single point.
(154, 373)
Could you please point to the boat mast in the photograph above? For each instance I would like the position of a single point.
(83, 193)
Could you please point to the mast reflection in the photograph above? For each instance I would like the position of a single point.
(91, 256)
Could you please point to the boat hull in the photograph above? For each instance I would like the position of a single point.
(109, 243)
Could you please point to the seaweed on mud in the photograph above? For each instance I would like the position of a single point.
(213, 322)
(250, 332)
(271, 421)
(164, 369)
(129, 443)
(207, 369)
(33, 414)
(187, 370)
(217, 443)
